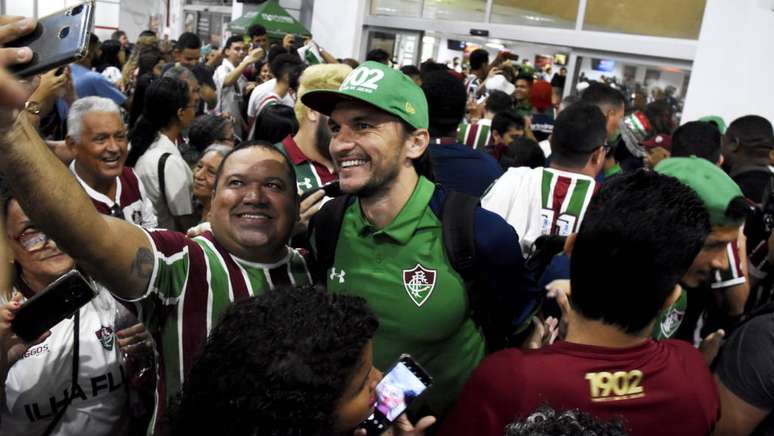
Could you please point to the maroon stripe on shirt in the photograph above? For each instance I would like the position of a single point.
(170, 243)
(279, 275)
(194, 331)
(235, 276)
(471, 138)
(130, 188)
(560, 191)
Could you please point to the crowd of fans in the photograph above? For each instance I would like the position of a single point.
(268, 228)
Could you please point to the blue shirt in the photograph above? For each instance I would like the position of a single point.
(89, 83)
(459, 168)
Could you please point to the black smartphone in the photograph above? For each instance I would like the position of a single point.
(58, 39)
(401, 385)
(332, 189)
(48, 307)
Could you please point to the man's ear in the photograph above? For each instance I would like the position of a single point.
(771, 157)
(722, 159)
(417, 143)
(71, 144)
(598, 157)
(496, 137)
(312, 115)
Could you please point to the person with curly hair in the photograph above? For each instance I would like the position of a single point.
(546, 421)
(293, 361)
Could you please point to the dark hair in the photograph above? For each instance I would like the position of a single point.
(287, 63)
(278, 50)
(751, 131)
(138, 100)
(643, 229)
(603, 96)
(291, 170)
(578, 131)
(527, 77)
(498, 101)
(163, 98)
(546, 421)
(147, 60)
(206, 130)
(522, 152)
(93, 41)
(378, 55)
(147, 33)
(506, 120)
(479, 58)
(410, 70)
(446, 98)
(188, 40)
(117, 34)
(256, 30)
(660, 114)
(277, 364)
(275, 123)
(697, 138)
(430, 66)
(109, 55)
(232, 39)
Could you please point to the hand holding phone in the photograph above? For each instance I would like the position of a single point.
(48, 307)
(399, 387)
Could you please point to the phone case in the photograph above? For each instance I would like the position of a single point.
(59, 39)
(48, 307)
(378, 422)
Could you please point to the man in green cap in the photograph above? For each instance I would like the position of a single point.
(390, 248)
(727, 209)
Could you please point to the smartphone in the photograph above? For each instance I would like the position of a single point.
(48, 307)
(58, 39)
(332, 189)
(401, 385)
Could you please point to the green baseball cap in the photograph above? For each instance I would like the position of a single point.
(717, 121)
(715, 188)
(380, 86)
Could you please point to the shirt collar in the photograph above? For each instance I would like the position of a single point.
(228, 64)
(294, 151)
(166, 144)
(94, 194)
(412, 217)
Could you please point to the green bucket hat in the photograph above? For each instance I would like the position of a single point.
(380, 86)
(716, 120)
(715, 188)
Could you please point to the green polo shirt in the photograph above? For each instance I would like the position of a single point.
(421, 301)
(524, 108)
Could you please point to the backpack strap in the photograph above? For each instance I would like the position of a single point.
(324, 230)
(459, 238)
(162, 183)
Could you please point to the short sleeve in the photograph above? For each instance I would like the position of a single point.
(171, 252)
(178, 186)
(746, 363)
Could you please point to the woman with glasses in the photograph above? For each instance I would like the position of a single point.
(40, 395)
(153, 151)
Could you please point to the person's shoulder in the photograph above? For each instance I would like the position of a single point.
(169, 243)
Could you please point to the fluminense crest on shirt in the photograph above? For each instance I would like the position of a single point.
(419, 283)
(671, 322)
(106, 337)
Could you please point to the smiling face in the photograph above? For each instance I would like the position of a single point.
(236, 52)
(711, 257)
(102, 148)
(369, 148)
(255, 205)
(40, 259)
(266, 75)
(204, 175)
(359, 398)
(522, 90)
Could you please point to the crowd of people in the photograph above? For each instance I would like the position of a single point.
(267, 229)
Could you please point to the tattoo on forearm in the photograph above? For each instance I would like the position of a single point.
(142, 266)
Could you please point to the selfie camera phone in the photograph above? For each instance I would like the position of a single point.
(331, 189)
(58, 39)
(47, 308)
(400, 386)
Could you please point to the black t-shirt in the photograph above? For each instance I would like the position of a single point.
(746, 366)
(753, 183)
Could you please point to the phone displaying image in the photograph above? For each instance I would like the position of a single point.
(58, 39)
(48, 307)
(331, 189)
(401, 385)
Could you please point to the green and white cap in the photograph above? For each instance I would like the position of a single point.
(380, 86)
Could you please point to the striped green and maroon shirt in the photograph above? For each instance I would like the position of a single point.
(564, 199)
(193, 282)
(310, 175)
(477, 136)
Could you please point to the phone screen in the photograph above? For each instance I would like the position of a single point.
(397, 390)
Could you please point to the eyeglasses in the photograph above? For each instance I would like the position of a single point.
(32, 240)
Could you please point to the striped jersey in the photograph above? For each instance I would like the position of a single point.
(193, 282)
(540, 201)
(477, 135)
(734, 275)
(310, 175)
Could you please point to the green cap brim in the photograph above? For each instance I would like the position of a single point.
(325, 101)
